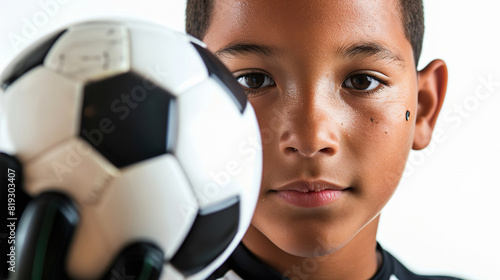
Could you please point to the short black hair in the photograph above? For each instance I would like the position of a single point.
(198, 16)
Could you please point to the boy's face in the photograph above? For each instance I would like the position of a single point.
(331, 82)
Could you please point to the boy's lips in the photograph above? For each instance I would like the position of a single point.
(309, 194)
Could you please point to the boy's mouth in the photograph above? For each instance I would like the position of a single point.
(309, 194)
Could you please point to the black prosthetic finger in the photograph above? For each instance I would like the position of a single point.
(138, 261)
(13, 200)
(44, 235)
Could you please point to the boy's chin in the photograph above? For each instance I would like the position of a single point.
(312, 246)
(309, 241)
(304, 243)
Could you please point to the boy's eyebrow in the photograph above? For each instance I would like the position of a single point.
(367, 49)
(355, 50)
(239, 49)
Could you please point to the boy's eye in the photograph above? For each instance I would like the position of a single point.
(361, 82)
(255, 80)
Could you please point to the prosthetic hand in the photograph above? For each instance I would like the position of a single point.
(45, 231)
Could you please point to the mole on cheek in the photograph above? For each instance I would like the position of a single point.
(407, 115)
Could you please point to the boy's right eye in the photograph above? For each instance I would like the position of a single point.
(254, 81)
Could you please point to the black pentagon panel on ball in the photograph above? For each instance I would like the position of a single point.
(215, 67)
(30, 60)
(209, 236)
(125, 118)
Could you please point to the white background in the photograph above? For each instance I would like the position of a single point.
(445, 215)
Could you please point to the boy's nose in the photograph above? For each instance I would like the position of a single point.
(310, 133)
(308, 144)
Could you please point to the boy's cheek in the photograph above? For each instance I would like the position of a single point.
(383, 121)
(381, 165)
(380, 143)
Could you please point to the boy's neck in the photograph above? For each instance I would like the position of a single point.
(358, 259)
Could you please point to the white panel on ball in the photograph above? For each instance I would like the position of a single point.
(151, 201)
(91, 52)
(170, 273)
(39, 114)
(248, 151)
(214, 132)
(196, 40)
(72, 167)
(166, 58)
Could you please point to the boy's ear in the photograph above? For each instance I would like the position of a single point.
(432, 83)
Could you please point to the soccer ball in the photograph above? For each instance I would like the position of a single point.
(149, 135)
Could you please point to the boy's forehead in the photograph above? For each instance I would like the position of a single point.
(313, 24)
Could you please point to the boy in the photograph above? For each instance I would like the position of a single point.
(340, 104)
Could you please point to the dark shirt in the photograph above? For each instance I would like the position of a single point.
(242, 264)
